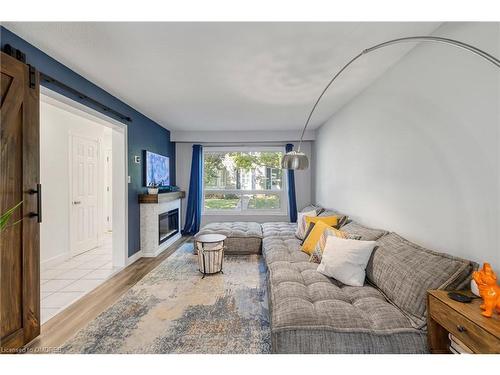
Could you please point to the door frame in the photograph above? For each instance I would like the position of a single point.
(120, 196)
(108, 191)
(100, 182)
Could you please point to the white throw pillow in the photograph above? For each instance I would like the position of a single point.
(345, 260)
(301, 223)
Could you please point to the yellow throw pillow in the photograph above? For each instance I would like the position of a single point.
(314, 235)
(331, 221)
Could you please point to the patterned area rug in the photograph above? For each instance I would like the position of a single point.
(174, 310)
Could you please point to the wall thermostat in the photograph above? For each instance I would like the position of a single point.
(137, 159)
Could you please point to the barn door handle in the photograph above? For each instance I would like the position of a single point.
(38, 193)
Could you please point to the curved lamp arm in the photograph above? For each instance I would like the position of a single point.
(456, 43)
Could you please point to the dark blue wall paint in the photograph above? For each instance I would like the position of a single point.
(143, 133)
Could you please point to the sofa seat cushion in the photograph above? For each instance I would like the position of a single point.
(312, 313)
(301, 296)
(279, 229)
(404, 271)
(242, 237)
(279, 249)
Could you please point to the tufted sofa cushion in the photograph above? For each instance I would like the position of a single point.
(240, 229)
(279, 229)
(280, 243)
(311, 313)
(242, 237)
(278, 249)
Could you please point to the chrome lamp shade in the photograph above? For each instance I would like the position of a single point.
(294, 160)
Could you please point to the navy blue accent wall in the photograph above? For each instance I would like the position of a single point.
(143, 133)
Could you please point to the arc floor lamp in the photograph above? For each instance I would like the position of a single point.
(298, 160)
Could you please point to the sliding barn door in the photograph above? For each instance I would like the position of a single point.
(19, 178)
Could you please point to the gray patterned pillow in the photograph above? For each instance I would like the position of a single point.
(367, 234)
(404, 271)
(313, 207)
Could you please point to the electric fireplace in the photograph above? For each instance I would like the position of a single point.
(168, 225)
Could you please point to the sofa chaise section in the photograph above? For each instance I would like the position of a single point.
(311, 313)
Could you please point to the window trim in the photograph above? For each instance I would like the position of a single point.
(283, 193)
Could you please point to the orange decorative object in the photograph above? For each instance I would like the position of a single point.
(486, 281)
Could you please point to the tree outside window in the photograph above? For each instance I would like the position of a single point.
(242, 181)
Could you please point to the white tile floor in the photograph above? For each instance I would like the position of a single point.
(65, 282)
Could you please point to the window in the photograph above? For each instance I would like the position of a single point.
(243, 181)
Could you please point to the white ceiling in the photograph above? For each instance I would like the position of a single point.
(224, 76)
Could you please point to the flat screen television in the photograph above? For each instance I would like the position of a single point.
(157, 169)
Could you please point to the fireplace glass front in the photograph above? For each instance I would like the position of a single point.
(169, 225)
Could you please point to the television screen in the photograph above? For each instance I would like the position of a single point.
(157, 169)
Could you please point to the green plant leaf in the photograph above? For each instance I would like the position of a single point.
(5, 217)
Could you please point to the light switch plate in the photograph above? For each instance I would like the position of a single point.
(129, 179)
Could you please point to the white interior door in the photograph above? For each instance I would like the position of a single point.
(84, 194)
(108, 194)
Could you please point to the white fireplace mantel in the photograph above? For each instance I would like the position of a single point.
(151, 208)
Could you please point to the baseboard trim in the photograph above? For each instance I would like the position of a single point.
(134, 258)
(163, 246)
(141, 254)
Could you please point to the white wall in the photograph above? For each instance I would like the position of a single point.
(418, 151)
(303, 185)
(55, 127)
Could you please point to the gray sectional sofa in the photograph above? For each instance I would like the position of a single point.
(312, 313)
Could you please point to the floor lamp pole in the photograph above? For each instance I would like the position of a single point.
(298, 160)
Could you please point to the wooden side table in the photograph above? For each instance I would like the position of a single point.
(462, 320)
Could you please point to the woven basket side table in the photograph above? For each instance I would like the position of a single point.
(210, 249)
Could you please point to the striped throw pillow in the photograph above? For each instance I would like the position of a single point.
(302, 225)
(320, 246)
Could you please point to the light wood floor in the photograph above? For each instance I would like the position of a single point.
(67, 323)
